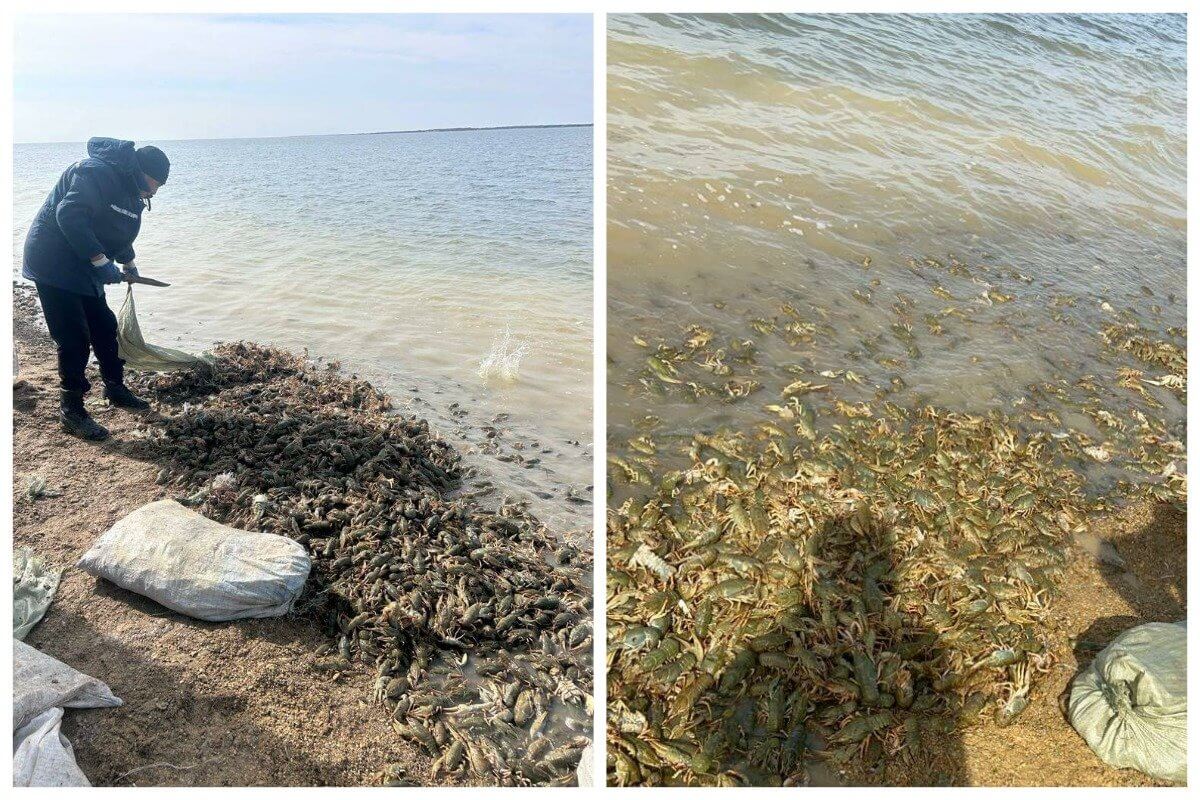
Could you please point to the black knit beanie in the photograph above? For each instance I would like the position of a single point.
(153, 162)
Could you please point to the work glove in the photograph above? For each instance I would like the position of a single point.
(129, 270)
(107, 271)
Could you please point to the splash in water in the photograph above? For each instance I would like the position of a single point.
(503, 363)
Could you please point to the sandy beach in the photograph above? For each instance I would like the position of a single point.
(205, 704)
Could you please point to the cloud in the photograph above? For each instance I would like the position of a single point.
(338, 69)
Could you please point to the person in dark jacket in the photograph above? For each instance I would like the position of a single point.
(84, 229)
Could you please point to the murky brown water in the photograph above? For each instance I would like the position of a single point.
(818, 161)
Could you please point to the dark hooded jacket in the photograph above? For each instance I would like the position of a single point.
(96, 207)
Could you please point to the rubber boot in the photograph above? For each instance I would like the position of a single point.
(119, 395)
(77, 421)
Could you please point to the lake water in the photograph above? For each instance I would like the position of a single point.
(408, 257)
(818, 161)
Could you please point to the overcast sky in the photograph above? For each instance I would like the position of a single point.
(168, 76)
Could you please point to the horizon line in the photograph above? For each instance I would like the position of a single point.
(457, 129)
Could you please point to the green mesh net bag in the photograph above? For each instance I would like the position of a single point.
(140, 355)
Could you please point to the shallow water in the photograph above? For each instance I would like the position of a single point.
(404, 256)
(756, 161)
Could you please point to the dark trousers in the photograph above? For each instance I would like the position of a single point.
(80, 324)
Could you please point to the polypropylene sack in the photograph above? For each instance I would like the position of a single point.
(199, 567)
(140, 355)
(42, 682)
(34, 586)
(42, 756)
(1130, 704)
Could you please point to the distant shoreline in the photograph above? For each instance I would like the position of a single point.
(356, 133)
(468, 128)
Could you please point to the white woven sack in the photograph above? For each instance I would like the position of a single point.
(199, 567)
(42, 756)
(42, 682)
